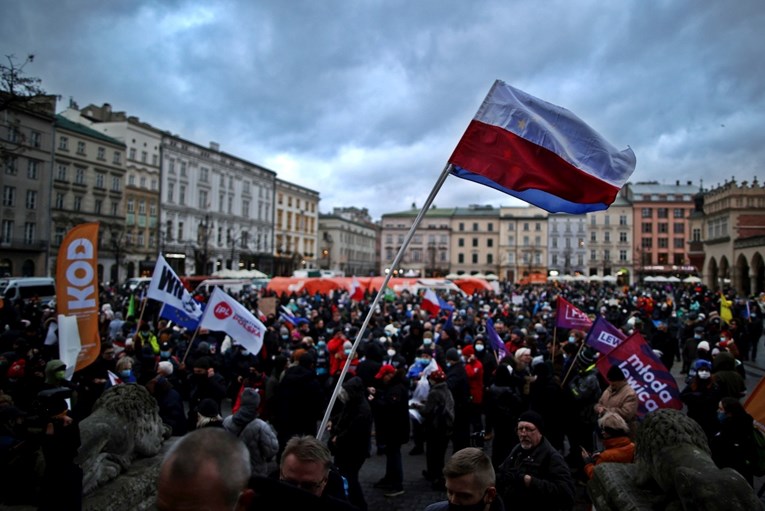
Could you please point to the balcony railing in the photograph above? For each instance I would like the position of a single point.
(23, 244)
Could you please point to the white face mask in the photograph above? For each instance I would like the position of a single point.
(426, 341)
(704, 375)
(479, 348)
(391, 353)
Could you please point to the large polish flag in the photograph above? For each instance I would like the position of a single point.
(540, 153)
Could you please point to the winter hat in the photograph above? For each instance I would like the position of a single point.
(347, 345)
(208, 408)
(248, 407)
(703, 345)
(437, 376)
(203, 347)
(613, 424)
(468, 350)
(452, 354)
(615, 374)
(385, 370)
(202, 363)
(534, 418)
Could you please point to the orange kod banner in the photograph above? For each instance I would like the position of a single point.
(77, 287)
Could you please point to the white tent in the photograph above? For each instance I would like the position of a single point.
(491, 276)
(581, 278)
(595, 278)
(673, 279)
(650, 278)
(478, 275)
(609, 278)
(240, 274)
(660, 278)
(453, 276)
(692, 280)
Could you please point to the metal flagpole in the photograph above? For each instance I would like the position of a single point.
(380, 293)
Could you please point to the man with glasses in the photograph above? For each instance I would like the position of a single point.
(535, 475)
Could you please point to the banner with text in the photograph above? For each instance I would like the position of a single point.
(166, 287)
(224, 314)
(654, 385)
(77, 287)
(603, 336)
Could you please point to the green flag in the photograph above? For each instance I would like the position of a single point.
(131, 306)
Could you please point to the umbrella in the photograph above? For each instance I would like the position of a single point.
(491, 276)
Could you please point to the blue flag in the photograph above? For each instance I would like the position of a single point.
(179, 317)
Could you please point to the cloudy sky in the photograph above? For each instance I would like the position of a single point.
(364, 101)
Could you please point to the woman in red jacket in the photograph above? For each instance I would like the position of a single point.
(474, 370)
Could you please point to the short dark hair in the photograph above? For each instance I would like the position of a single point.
(471, 460)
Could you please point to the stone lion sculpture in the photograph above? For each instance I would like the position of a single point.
(673, 470)
(123, 426)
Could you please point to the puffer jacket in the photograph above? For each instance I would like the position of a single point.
(255, 433)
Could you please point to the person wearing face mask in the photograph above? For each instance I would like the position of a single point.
(701, 396)
(689, 352)
(125, 370)
(393, 358)
(470, 483)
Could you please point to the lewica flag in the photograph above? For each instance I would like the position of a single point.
(540, 153)
(603, 336)
(568, 316)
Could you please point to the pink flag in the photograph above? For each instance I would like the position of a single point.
(568, 316)
(654, 385)
(430, 302)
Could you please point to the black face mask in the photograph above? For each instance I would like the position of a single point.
(478, 506)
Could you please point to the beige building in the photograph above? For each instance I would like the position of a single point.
(88, 186)
(728, 236)
(296, 228)
(522, 242)
(142, 238)
(348, 241)
(26, 155)
(428, 253)
(609, 242)
(566, 244)
(475, 240)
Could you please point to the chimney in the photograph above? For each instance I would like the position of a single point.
(215, 146)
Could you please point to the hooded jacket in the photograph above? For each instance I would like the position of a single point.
(255, 433)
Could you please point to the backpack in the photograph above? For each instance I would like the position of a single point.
(758, 456)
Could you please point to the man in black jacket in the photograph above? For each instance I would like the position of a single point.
(457, 381)
(535, 475)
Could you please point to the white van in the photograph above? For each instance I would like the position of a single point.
(26, 288)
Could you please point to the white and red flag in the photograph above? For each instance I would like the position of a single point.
(430, 302)
(224, 314)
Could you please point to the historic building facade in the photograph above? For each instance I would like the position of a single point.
(27, 131)
(522, 242)
(429, 252)
(296, 227)
(348, 241)
(475, 240)
(88, 186)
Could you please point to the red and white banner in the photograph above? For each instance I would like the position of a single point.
(357, 291)
(430, 302)
(224, 314)
(77, 287)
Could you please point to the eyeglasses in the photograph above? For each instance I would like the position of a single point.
(525, 429)
(308, 486)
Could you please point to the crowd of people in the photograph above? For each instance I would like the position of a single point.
(534, 421)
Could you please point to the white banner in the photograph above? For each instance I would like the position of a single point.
(166, 287)
(68, 342)
(224, 314)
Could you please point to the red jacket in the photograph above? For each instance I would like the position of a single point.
(474, 372)
(336, 355)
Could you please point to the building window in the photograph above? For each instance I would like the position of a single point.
(30, 232)
(117, 159)
(474, 258)
(647, 243)
(31, 202)
(79, 175)
(525, 226)
(663, 243)
(33, 169)
(101, 154)
(7, 231)
(170, 191)
(622, 237)
(475, 242)
(678, 213)
(622, 255)
(489, 258)
(115, 208)
(204, 174)
(144, 159)
(555, 259)
(77, 203)
(662, 212)
(607, 237)
(131, 156)
(180, 231)
(696, 235)
(490, 242)
(678, 228)
(461, 258)
(646, 212)
(593, 237)
(152, 209)
(63, 143)
(462, 226)
(143, 182)
(35, 138)
(97, 209)
(99, 180)
(622, 219)
(59, 201)
(245, 208)
(130, 206)
(9, 196)
(461, 242)
(131, 180)
(58, 236)
(203, 200)
(475, 226)
(678, 243)
(607, 220)
(80, 147)
(490, 227)
(646, 227)
(593, 255)
(183, 169)
(115, 184)
(153, 185)
(142, 207)
(10, 166)
(61, 172)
